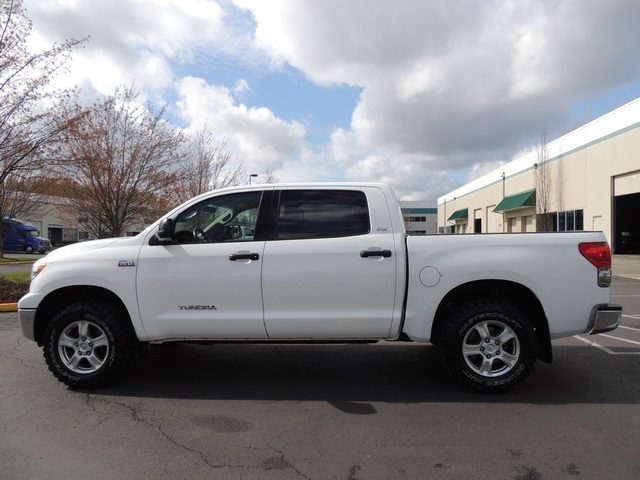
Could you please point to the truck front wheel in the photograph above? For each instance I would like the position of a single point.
(88, 344)
(488, 345)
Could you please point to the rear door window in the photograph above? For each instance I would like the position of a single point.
(306, 214)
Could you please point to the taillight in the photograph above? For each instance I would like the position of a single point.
(599, 254)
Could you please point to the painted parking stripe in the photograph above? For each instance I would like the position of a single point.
(628, 328)
(603, 348)
(620, 339)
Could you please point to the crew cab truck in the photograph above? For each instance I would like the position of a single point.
(316, 263)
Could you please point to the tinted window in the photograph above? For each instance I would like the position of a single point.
(322, 214)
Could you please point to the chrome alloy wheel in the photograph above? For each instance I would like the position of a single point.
(491, 348)
(83, 347)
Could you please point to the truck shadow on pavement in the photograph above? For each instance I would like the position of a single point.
(351, 377)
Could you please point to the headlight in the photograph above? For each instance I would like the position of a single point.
(37, 268)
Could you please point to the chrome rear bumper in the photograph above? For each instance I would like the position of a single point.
(604, 318)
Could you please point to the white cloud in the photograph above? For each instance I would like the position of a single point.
(448, 87)
(259, 139)
(129, 40)
(451, 84)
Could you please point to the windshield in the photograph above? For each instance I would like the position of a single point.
(32, 233)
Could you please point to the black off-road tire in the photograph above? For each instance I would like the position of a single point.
(88, 344)
(488, 345)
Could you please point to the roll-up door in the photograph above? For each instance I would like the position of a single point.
(626, 184)
(626, 202)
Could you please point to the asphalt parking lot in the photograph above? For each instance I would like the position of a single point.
(381, 411)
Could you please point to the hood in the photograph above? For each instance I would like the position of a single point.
(83, 246)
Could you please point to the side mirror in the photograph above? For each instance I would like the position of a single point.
(165, 231)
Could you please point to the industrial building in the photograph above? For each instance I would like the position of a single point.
(420, 217)
(588, 179)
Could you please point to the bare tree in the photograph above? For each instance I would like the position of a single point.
(544, 219)
(21, 193)
(270, 177)
(27, 125)
(118, 162)
(207, 165)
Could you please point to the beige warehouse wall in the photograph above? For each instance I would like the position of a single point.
(582, 179)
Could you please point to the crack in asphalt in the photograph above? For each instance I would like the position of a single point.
(269, 464)
(18, 359)
(266, 464)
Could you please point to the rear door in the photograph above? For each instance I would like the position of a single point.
(325, 273)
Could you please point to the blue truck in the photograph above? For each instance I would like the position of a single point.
(21, 236)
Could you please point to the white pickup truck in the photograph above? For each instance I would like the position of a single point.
(316, 263)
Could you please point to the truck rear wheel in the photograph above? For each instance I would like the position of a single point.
(488, 345)
(88, 344)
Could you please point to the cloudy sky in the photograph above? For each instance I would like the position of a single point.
(422, 94)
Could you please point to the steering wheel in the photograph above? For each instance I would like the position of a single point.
(199, 235)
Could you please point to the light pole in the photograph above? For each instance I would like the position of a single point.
(252, 175)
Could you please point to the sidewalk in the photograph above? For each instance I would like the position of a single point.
(627, 266)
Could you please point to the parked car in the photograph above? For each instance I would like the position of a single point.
(21, 236)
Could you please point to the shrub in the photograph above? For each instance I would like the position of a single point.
(10, 292)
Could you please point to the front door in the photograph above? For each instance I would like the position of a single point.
(207, 284)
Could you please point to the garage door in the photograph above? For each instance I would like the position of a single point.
(627, 184)
(626, 189)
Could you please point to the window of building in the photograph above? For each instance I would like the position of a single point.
(568, 221)
(322, 214)
(418, 219)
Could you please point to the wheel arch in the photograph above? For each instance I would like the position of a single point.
(62, 297)
(513, 293)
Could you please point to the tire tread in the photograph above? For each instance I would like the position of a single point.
(123, 344)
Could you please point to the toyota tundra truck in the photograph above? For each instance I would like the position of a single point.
(318, 263)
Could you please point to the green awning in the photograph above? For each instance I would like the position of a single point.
(519, 200)
(459, 214)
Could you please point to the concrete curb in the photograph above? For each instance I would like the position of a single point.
(8, 307)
